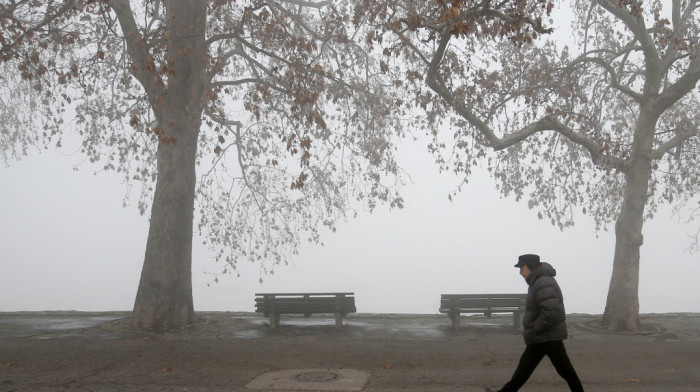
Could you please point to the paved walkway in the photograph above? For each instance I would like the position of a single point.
(372, 353)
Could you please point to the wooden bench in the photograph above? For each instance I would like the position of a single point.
(456, 304)
(272, 305)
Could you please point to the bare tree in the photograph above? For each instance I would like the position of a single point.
(609, 129)
(260, 119)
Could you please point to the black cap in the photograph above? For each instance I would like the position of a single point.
(530, 260)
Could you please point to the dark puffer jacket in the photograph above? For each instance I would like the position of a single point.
(545, 317)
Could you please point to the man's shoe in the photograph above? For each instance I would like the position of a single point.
(487, 389)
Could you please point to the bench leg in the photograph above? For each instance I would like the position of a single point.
(274, 320)
(455, 321)
(338, 320)
(518, 320)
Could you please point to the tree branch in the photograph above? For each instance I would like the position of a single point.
(246, 81)
(685, 131)
(311, 4)
(226, 123)
(615, 82)
(48, 18)
(636, 25)
(680, 25)
(682, 86)
(220, 37)
(245, 43)
(676, 15)
(547, 123)
(138, 51)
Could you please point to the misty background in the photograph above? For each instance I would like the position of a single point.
(67, 244)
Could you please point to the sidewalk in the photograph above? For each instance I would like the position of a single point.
(229, 351)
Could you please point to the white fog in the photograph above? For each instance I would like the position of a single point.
(67, 244)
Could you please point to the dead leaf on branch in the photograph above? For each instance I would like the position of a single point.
(305, 158)
(450, 14)
(299, 182)
(414, 22)
(383, 67)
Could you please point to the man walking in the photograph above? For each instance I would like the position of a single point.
(544, 326)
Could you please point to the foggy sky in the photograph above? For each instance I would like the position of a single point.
(67, 244)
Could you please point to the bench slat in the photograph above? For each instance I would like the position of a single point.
(274, 304)
(456, 304)
(301, 294)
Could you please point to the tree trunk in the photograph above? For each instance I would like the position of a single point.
(164, 297)
(622, 307)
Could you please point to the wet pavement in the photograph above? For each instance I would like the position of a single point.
(227, 351)
(52, 324)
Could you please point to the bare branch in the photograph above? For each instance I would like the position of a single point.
(48, 18)
(309, 4)
(547, 123)
(226, 123)
(676, 14)
(615, 79)
(683, 85)
(137, 50)
(685, 131)
(637, 26)
(245, 43)
(680, 24)
(221, 37)
(240, 82)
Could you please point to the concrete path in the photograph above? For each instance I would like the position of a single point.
(372, 353)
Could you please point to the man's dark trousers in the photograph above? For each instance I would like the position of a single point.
(531, 358)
